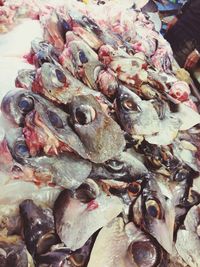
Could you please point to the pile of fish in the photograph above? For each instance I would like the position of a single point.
(12, 11)
(103, 147)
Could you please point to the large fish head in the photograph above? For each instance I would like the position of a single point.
(38, 226)
(51, 80)
(87, 29)
(55, 28)
(124, 167)
(101, 135)
(158, 214)
(82, 62)
(135, 115)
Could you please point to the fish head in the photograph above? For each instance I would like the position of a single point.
(158, 214)
(50, 80)
(25, 78)
(16, 104)
(95, 213)
(13, 251)
(95, 128)
(124, 167)
(55, 28)
(82, 62)
(87, 29)
(135, 115)
(38, 226)
(143, 250)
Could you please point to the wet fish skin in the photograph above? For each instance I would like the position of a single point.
(38, 227)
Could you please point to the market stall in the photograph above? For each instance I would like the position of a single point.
(100, 139)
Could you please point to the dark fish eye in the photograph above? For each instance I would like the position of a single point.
(55, 119)
(42, 58)
(26, 104)
(84, 114)
(83, 57)
(77, 259)
(21, 150)
(129, 105)
(134, 189)
(114, 165)
(91, 25)
(60, 76)
(153, 209)
(66, 26)
(16, 168)
(144, 253)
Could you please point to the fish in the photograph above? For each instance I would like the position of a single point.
(189, 236)
(96, 129)
(13, 252)
(84, 64)
(126, 245)
(125, 167)
(155, 213)
(90, 31)
(42, 121)
(67, 170)
(38, 227)
(25, 78)
(136, 116)
(59, 86)
(94, 214)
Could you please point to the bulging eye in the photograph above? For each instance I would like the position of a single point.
(60, 76)
(153, 209)
(83, 57)
(85, 114)
(129, 105)
(134, 189)
(26, 104)
(114, 165)
(55, 119)
(143, 253)
(21, 150)
(57, 77)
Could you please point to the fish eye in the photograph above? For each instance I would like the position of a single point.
(77, 259)
(55, 119)
(21, 150)
(26, 104)
(114, 165)
(129, 105)
(153, 209)
(60, 76)
(66, 25)
(85, 114)
(134, 189)
(144, 253)
(83, 57)
(42, 58)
